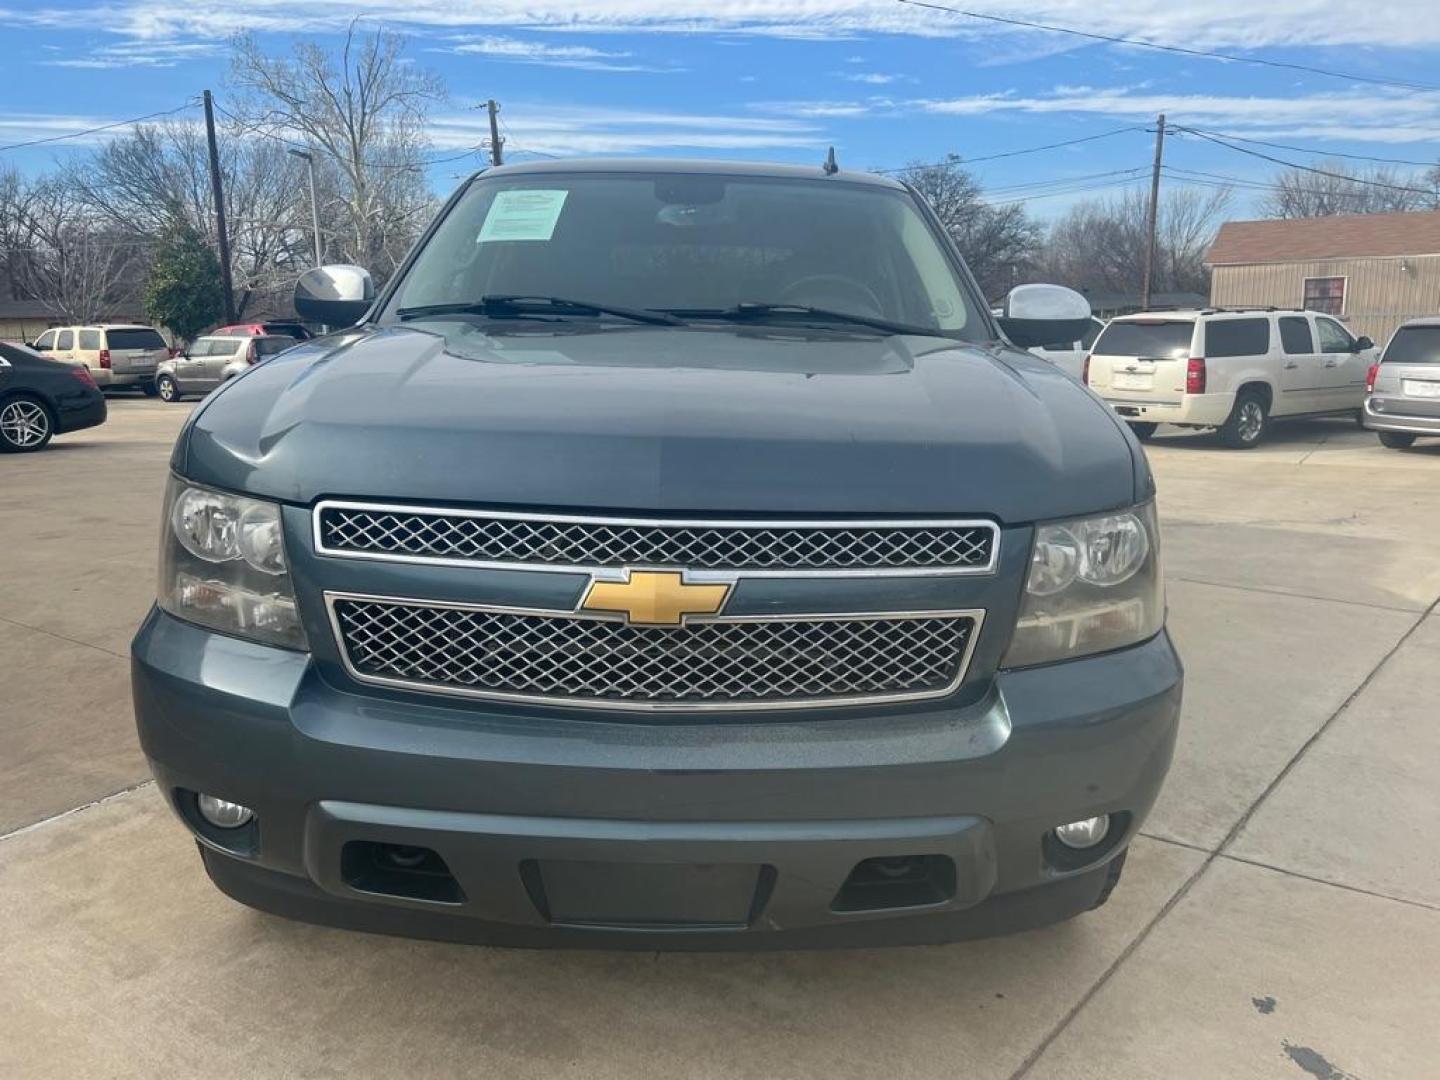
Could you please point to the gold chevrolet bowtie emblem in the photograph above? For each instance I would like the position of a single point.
(655, 598)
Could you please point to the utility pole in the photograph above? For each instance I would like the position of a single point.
(496, 158)
(217, 189)
(1148, 274)
(309, 159)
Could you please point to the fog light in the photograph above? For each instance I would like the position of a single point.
(1083, 834)
(223, 814)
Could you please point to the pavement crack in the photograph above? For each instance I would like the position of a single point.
(1332, 884)
(64, 637)
(44, 822)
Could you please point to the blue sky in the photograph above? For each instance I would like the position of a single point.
(886, 83)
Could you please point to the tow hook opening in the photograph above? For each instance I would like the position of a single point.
(401, 870)
(897, 881)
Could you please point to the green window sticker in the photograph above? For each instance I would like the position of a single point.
(522, 215)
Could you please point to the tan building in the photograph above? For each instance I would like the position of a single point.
(1373, 271)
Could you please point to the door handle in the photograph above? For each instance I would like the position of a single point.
(1329, 363)
(1290, 364)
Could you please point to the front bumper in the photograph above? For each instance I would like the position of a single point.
(577, 831)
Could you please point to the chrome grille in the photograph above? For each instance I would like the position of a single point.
(733, 663)
(524, 539)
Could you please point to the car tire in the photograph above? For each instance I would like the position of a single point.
(167, 388)
(1112, 878)
(1249, 420)
(1396, 440)
(26, 424)
(1143, 431)
(149, 388)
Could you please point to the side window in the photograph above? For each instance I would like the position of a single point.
(1295, 336)
(66, 340)
(1090, 335)
(199, 348)
(90, 339)
(46, 341)
(1333, 337)
(1237, 337)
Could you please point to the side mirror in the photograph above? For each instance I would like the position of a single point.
(1362, 343)
(1038, 314)
(334, 295)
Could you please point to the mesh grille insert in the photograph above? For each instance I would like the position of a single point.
(561, 657)
(431, 534)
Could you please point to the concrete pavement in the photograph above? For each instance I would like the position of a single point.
(1281, 918)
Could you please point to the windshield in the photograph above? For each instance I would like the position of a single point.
(1414, 345)
(1158, 340)
(693, 244)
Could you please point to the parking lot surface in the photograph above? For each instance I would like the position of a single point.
(1279, 918)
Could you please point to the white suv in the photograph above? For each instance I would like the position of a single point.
(1228, 369)
(117, 355)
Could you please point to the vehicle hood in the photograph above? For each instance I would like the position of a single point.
(692, 419)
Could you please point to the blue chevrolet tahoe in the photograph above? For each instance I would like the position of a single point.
(671, 555)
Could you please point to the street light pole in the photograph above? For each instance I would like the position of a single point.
(314, 203)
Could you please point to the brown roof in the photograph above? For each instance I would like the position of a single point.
(1339, 237)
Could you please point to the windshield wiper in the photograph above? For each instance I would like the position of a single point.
(518, 306)
(749, 311)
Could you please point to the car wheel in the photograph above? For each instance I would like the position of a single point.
(1112, 878)
(1396, 440)
(166, 388)
(150, 389)
(1143, 432)
(1248, 421)
(25, 424)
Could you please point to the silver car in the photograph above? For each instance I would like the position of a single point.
(1402, 398)
(212, 359)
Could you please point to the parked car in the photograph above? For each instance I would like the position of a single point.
(41, 398)
(676, 554)
(287, 329)
(1069, 356)
(1402, 390)
(117, 355)
(210, 360)
(1234, 370)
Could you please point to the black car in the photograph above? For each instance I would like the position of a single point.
(673, 555)
(40, 398)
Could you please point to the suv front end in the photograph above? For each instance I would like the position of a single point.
(658, 633)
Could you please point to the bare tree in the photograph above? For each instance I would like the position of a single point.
(1336, 186)
(363, 113)
(1098, 246)
(1000, 243)
(156, 178)
(59, 253)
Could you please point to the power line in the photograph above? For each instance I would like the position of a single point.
(1206, 53)
(1311, 149)
(1306, 168)
(1209, 179)
(964, 161)
(103, 127)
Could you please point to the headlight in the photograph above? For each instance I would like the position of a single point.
(222, 565)
(1094, 585)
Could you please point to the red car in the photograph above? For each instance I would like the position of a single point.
(260, 329)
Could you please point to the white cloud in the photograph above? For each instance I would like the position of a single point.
(872, 78)
(1374, 114)
(515, 50)
(1220, 24)
(576, 129)
(136, 54)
